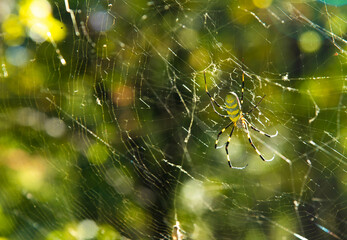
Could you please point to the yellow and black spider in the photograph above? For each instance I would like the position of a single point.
(233, 107)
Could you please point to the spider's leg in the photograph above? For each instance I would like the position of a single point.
(243, 87)
(226, 149)
(261, 132)
(255, 106)
(218, 147)
(222, 115)
(222, 131)
(251, 142)
(214, 101)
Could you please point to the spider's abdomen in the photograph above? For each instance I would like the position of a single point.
(232, 105)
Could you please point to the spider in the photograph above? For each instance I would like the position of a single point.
(233, 107)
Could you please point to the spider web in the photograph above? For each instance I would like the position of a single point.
(109, 133)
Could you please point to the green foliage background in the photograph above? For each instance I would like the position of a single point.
(120, 139)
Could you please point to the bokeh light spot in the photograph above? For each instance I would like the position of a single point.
(13, 31)
(310, 41)
(97, 154)
(262, 3)
(86, 229)
(188, 38)
(38, 32)
(17, 56)
(55, 127)
(5, 9)
(194, 196)
(100, 21)
(40, 8)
